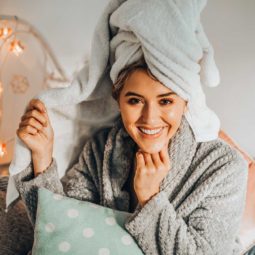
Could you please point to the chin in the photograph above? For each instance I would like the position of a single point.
(155, 148)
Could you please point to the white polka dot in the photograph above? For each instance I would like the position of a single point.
(127, 240)
(88, 232)
(110, 221)
(64, 246)
(72, 213)
(49, 227)
(94, 206)
(103, 251)
(57, 197)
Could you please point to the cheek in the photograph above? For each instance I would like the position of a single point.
(174, 115)
(129, 118)
(128, 115)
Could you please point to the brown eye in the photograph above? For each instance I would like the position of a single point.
(133, 101)
(166, 101)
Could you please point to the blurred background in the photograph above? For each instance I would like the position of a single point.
(49, 41)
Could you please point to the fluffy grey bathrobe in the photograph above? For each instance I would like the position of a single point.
(197, 211)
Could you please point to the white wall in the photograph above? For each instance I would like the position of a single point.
(230, 27)
(67, 26)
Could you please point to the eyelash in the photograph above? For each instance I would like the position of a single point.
(130, 101)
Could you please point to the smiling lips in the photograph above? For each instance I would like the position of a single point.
(154, 133)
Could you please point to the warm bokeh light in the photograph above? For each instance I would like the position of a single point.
(10, 43)
(16, 47)
(5, 32)
(2, 149)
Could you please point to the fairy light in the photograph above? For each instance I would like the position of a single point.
(3, 150)
(11, 27)
(3, 147)
(5, 31)
(16, 47)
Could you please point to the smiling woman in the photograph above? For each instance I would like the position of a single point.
(151, 112)
(150, 164)
(161, 160)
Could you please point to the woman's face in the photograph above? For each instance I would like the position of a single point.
(151, 112)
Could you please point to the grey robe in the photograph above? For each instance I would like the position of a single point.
(197, 211)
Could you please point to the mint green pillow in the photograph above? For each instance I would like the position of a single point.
(68, 226)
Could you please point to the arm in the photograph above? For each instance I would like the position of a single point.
(27, 185)
(79, 183)
(209, 228)
(36, 132)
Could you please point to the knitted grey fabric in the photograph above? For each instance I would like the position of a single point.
(197, 211)
(16, 232)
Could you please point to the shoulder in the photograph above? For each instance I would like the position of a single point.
(97, 141)
(102, 136)
(220, 158)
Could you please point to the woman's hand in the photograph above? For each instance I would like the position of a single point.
(37, 133)
(150, 171)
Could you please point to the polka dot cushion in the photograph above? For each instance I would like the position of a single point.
(68, 226)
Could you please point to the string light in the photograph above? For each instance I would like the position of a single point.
(3, 151)
(5, 31)
(16, 47)
(3, 145)
(10, 31)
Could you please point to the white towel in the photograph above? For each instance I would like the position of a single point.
(170, 37)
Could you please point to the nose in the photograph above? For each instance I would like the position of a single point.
(150, 114)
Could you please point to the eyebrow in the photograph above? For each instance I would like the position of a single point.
(130, 93)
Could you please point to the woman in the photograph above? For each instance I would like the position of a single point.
(186, 197)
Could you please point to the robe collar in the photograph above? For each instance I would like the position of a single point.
(119, 156)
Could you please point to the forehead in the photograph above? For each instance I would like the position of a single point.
(141, 81)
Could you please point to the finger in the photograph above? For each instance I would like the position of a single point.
(27, 130)
(36, 104)
(156, 160)
(32, 122)
(37, 115)
(30, 105)
(148, 160)
(35, 124)
(42, 118)
(140, 160)
(23, 135)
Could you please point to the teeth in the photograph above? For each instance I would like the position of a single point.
(150, 132)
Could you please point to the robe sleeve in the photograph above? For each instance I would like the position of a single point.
(78, 184)
(210, 228)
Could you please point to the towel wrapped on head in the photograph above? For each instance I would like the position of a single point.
(169, 36)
